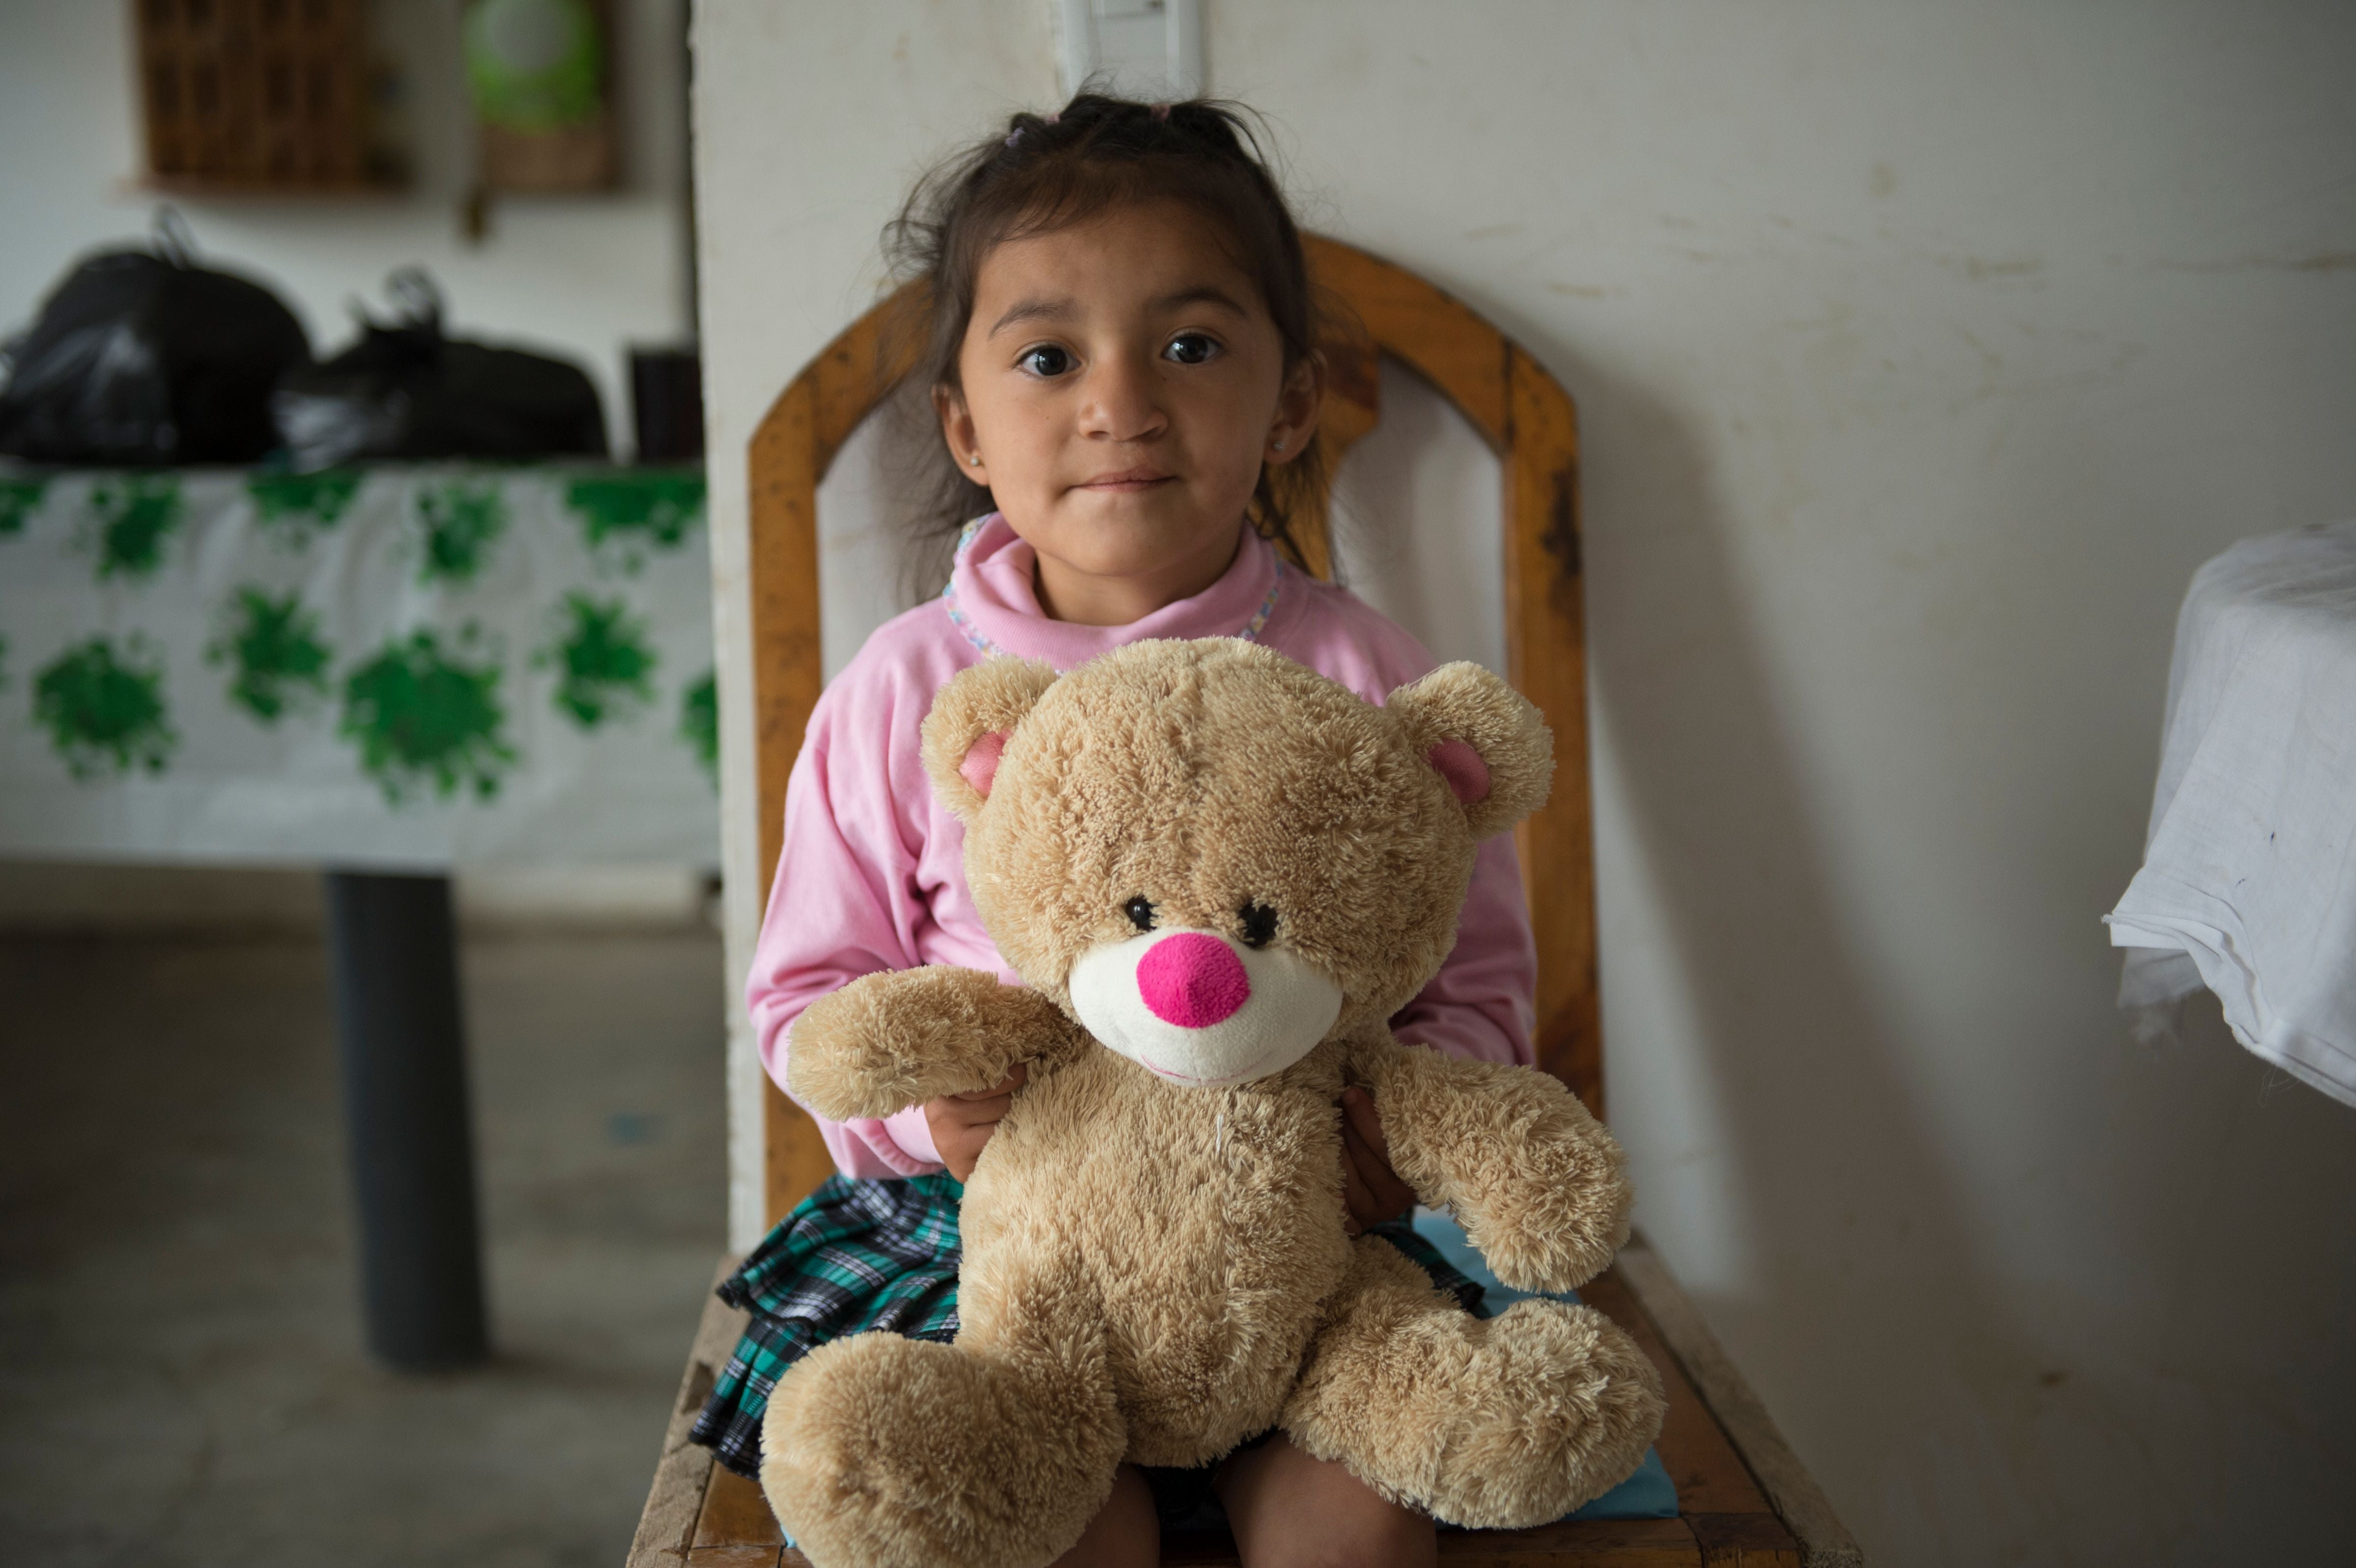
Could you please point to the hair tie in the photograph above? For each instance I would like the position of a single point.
(1014, 135)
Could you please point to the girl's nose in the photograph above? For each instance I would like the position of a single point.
(1121, 403)
(1193, 980)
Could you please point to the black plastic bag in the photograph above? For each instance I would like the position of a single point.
(405, 390)
(144, 359)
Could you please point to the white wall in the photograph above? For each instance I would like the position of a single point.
(579, 275)
(1921, 353)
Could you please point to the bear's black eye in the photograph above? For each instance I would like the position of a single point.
(1259, 924)
(1141, 912)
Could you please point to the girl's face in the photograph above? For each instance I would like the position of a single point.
(1122, 384)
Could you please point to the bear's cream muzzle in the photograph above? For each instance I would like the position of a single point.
(1199, 1010)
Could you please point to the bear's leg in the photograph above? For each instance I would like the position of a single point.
(1500, 1423)
(881, 1452)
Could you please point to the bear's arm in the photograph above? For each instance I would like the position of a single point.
(1538, 1184)
(894, 1039)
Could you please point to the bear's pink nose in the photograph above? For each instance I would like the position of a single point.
(1193, 980)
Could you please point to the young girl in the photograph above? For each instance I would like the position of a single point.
(1123, 360)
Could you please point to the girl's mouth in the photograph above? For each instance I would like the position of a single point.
(1128, 481)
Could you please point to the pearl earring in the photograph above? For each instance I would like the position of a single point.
(1279, 443)
(975, 460)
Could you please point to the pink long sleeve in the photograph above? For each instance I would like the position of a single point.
(871, 876)
(800, 959)
(1480, 1006)
(850, 895)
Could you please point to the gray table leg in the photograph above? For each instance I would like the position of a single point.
(394, 946)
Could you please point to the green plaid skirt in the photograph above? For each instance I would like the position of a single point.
(861, 1256)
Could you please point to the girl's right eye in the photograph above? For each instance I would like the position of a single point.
(1140, 913)
(1045, 361)
(1192, 348)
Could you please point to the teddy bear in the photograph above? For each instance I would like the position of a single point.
(1219, 874)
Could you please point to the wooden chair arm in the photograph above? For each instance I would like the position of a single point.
(667, 1525)
(1824, 1541)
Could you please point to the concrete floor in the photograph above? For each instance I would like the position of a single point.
(182, 1379)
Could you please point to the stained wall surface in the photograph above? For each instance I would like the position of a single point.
(1921, 353)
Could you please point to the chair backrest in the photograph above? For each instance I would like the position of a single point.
(1522, 413)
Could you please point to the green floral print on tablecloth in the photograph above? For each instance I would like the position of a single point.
(419, 714)
(294, 507)
(699, 723)
(626, 514)
(134, 514)
(225, 664)
(605, 661)
(105, 711)
(461, 522)
(17, 499)
(275, 646)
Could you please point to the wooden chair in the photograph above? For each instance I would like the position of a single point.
(1744, 1497)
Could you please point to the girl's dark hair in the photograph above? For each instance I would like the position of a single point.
(1044, 173)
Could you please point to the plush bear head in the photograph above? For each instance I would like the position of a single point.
(1211, 857)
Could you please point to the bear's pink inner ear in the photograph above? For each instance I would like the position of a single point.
(980, 768)
(1460, 764)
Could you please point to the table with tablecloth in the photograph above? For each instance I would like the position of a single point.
(416, 666)
(384, 673)
(2248, 883)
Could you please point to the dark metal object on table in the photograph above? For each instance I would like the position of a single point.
(394, 947)
(667, 398)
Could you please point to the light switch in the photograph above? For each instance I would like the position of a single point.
(1137, 49)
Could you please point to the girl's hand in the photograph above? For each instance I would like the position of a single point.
(1370, 1187)
(961, 1124)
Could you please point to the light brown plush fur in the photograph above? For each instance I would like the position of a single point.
(1156, 1273)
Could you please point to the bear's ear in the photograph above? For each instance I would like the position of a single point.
(969, 723)
(1483, 738)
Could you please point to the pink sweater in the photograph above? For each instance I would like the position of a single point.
(871, 876)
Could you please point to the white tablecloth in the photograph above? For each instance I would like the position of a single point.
(412, 667)
(2249, 877)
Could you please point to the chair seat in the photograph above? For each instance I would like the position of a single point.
(701, 1516)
